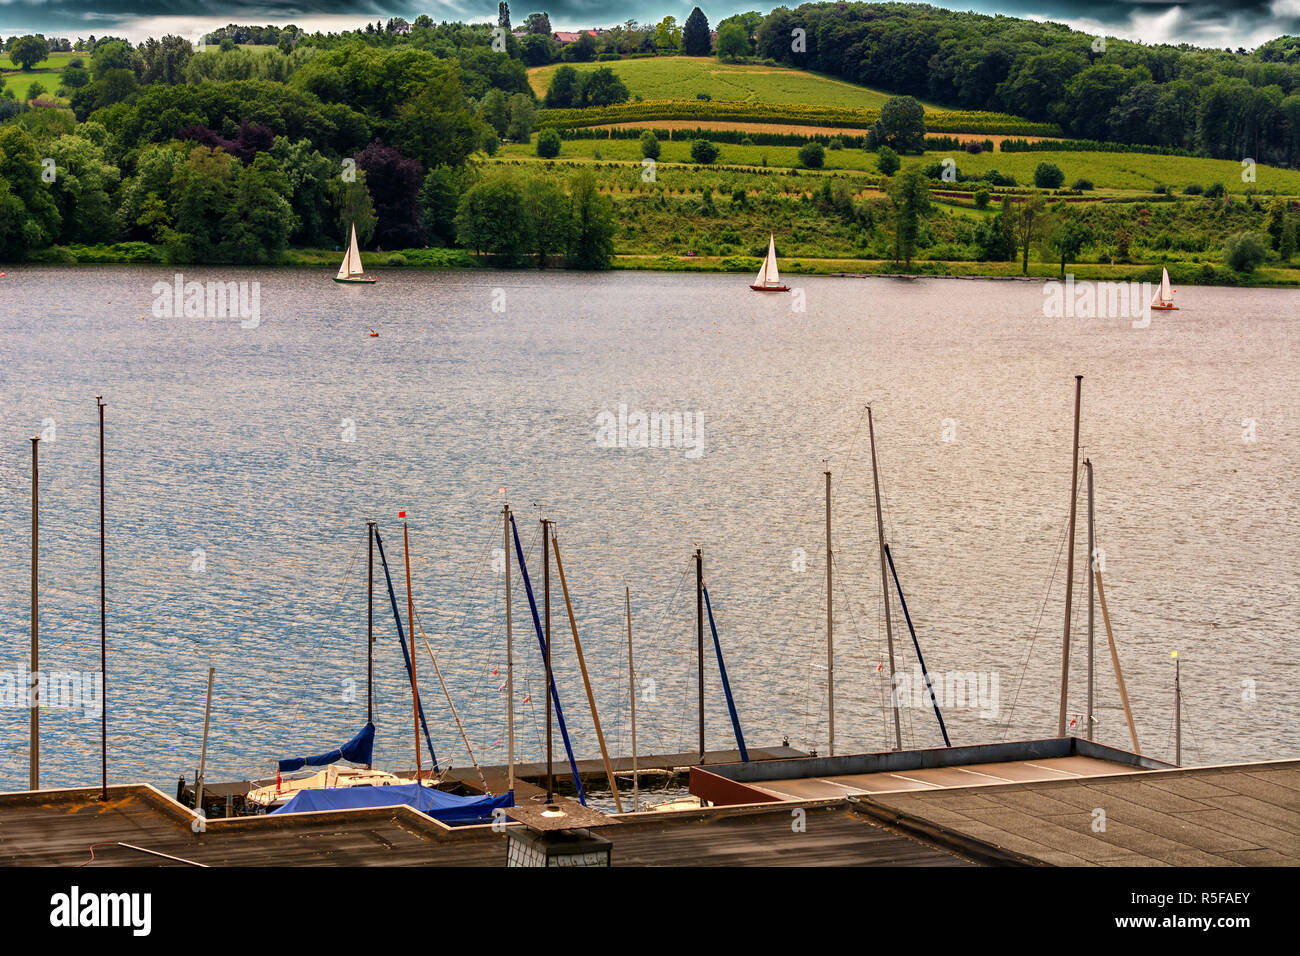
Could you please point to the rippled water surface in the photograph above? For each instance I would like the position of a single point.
(230, 445)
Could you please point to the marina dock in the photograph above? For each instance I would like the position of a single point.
(1233, 815)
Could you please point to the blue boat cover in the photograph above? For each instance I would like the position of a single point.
(446, 807)
(356, 750)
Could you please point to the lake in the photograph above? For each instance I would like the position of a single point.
(243, 463)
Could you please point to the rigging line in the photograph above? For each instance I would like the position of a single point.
(454, 716)
(1065, 529)
(854, 622)
(857, 434)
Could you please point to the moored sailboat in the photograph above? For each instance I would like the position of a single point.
(350, 270)
(769, 277)
(1164, 297)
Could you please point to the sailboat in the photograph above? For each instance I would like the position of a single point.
(350, 270)
(769, 277)
(1164, 298)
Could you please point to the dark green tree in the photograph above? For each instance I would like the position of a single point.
(910, 196)
(695, 34)
(591, 243)
(901, 125)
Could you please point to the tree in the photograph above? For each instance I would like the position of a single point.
(565, 90)
(503, 15)
(733, 42)
(548, 212)
(494, 110)
(581, 50)
(548, 144)
(591, 244)
(258, 219)
(704, 152)
(35, 90)
(113, 55)
(436, 126)
(538, 24)
(887, 161)
(1275, 221)
(695, 34)
(602, 87)
(29, 217)
(74, 76)
(981, 198)
(1027, 219)
(1048, 176)
(812, 154)
(394, 183)
(523, 118)
(352, 206)
(901, 125)
(164, 60)
(1244, 251)
(649, 145)
(910, 196)
(439, 198)
(491, 219)
(26, 52)
(668, 35)
(1067, 237)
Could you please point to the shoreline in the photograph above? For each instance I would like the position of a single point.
(1192, 274)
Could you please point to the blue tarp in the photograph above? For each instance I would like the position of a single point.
(446, 807)
(356, 750)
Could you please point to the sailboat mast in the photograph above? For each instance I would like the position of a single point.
(884, 580)
(510, 660)
(34, 753)
(370, 625)
(546, 588)
(410, 629)
(699, 637)
(1092, 557)
(830, 636)
(1069, 561)
(631, 690)
(1178, 713)
(103, 619)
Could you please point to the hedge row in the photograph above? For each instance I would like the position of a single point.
(1087, 146)
(948, 121)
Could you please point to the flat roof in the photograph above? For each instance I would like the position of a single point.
(1234, 815)
(815, 778)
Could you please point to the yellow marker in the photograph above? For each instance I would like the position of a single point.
(1174, 654)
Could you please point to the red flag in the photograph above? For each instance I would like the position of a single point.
(401, 514)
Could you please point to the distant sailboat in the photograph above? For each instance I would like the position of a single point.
(769, 277)
(350, 270)
(1164, 298)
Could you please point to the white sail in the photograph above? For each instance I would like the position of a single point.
(352, 260)
(769, 274)
(1165, 295)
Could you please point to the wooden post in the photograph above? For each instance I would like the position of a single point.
(631, 690)
(410, 629)
(586, 681)
(510, 660)
(830, 637)
(34, 687)
(1114, 658)
(1069, 562)
(203, 754)
(884, 581)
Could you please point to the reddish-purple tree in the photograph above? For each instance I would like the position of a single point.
(394, 184)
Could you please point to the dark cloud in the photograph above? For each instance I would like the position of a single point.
(1218, 23)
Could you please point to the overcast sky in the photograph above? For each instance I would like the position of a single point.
(1218, 23)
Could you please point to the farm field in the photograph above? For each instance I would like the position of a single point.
(1108, 171)
(46, 72)
(683, 77)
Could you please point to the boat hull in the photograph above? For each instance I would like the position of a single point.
(770, 288)
(357, 280)
(1164, 308)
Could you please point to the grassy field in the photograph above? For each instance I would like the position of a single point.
(683, 77)
(46, 72)
(1118, 172)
